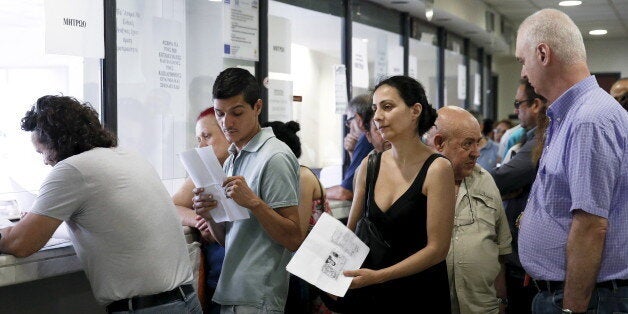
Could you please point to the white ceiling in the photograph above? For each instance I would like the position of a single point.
(611, 15)
(592, 14)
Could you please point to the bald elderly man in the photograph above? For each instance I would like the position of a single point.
(573, 234)
(481, 236)
(619, 91)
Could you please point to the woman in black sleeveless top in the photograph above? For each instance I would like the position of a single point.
(412, 204)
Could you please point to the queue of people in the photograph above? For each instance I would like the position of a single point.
(541, 231)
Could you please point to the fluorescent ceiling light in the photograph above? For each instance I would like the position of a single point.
(569, 3)
(598, 32)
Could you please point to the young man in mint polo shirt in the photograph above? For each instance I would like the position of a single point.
(262, 177)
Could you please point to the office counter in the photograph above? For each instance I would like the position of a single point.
(53, 281)
(340, 209)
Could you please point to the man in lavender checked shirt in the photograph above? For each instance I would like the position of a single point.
(573, 238)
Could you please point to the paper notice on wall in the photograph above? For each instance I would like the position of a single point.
(279, 42)
(279, 100)
(130, 35)
(360, 65)
(75, 27)
(476, 90)
(340, 88)
(203, 167)
(395, 61)
(381, 58)
(241, 29)
(413, 67)
(462, 82)
(328, 250)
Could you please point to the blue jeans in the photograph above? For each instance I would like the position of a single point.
(603, 301)
(191, 305)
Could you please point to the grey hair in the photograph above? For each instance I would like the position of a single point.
(557, 30)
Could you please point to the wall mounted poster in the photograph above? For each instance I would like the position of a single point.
(241, 29)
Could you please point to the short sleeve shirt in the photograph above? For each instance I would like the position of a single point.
(254, 269)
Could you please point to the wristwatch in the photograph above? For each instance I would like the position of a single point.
(503, 301)
(568, 311)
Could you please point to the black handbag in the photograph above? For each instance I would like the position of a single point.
(365, 229)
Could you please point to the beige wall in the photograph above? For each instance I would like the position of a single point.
(608, 55)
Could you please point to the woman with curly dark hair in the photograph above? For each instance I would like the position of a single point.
(123, 224)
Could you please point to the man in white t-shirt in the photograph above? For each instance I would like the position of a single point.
(123, 224)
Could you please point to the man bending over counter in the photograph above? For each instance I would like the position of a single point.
(123, 224)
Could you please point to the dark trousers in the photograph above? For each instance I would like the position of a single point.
(519, 297)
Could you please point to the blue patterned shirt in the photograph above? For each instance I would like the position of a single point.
(584, 166)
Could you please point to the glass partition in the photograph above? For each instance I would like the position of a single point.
(475, 80)
(304, 46)
(455, 73)
(423, 59)
(27, 72)
(169, 54)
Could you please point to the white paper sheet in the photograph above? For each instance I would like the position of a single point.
(203, 167)
(328, 250)
(75, 27)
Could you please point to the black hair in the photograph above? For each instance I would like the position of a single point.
(412, 92)
(66, 126)
(487, 126)
(236, 81)
(529, 90)
(287, 133)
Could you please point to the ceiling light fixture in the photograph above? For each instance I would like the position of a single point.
(569, 3)
(598, 32)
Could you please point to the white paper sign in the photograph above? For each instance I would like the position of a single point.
(75, 27)
(381, 58)
(476, 93)
(130, 34)
(328, 250)
(241, 29)
(395, 61)
(413, 67)
(205, 171)
(279, 44)
(279, 100)
(360, 65)
(340, 88)
(462, 81)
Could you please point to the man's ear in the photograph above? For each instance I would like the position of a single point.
(543, 54)
(439, 142)
(258, 107)
(360, 122)
(536, 106)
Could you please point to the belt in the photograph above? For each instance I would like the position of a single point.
(145, 301)
(552, 286)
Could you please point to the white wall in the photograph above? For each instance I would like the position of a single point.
(509, 71)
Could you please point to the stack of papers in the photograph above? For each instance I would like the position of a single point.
(328, 250)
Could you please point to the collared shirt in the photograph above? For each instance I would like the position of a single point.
(481, 234)
(584, 166)
(254, 269)
(362, 149)
(488, 155)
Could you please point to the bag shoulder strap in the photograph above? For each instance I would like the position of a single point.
(372, 168)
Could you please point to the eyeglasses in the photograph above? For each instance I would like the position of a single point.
(461, 222)
(348, 121)
(518, 103)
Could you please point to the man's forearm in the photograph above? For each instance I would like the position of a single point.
(217, 230)
(584, 256)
